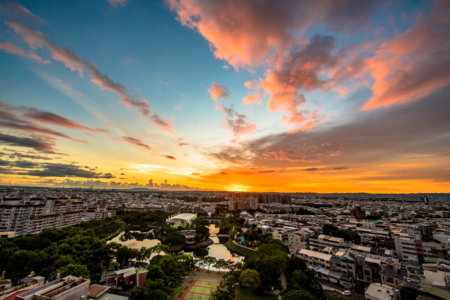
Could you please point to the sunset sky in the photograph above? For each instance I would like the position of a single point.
(284, 96)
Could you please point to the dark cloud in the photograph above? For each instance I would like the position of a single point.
(106, 175)
(170, 157)
(42, 144)
(4, 163)
(6, 171)
(183, 144)
(136, 142)
(266, 171)
(326, 169)
(122, 174)
(25, 164)
(12, 121)
(57, 120)
(30, 156)
(65, 170)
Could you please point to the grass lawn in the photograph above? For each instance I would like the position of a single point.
(201, 290)
(206, 283)
(333, 295)
(196, 297)
(239, 250)
(244, 293)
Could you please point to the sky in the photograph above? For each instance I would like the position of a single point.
(257, 96)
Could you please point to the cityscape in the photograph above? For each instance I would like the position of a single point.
(224, 150)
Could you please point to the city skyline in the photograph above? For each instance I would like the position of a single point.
(254, 96)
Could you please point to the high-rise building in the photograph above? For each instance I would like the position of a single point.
(252, 202)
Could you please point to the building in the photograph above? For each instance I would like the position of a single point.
(9, 291)
(296, 239)
(252, 202)
(68, 288)
(326, 241)
(32, 217)
(393, 274)
(182, 219)
(377, 291)
(282, 234)
(358, 213)
(408, 245)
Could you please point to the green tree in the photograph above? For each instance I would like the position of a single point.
(160, 248)
(250, 278)
(297, 295)
(299, 280)
(155, 272)
(210, 260)
(74, 270)
(220, 264)
(294, 263)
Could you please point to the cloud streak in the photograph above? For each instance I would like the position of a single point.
(136, 142)
(36, 39)
(13, 49)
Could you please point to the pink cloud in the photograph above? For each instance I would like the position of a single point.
(240, 33)
(251, 99)
(13, 49)
(117, 3)
(413, 64)
(219, 92)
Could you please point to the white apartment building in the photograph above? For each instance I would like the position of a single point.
(37, 214)
(282, 234)
(297, 239)
(408, 245)
(326, 241)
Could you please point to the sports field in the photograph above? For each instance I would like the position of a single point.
(206, 283)
(200, 290)
(191, 296)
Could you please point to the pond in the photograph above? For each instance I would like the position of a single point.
(217, 250)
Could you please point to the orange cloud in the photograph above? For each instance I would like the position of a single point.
(413, 64)
(219, 92)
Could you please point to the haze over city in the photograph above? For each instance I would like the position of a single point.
(252, 96)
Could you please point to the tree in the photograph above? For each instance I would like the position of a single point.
(74, 270)
(153, 290)
(155, 272)
(250, 278)
(160, 248)
(297, 295)
(294, 263)
(220, 264)
(210, 260)
(125, 254)
(299, 280)
(201, 262)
